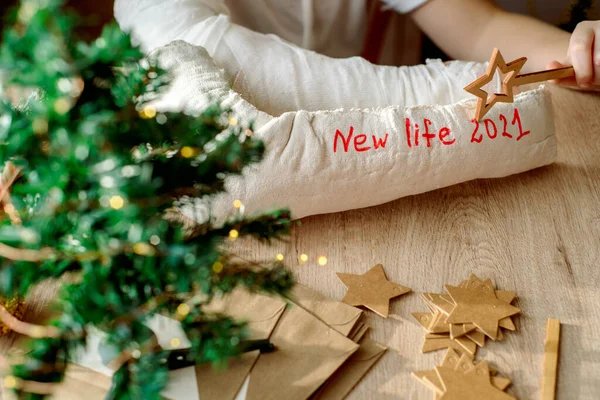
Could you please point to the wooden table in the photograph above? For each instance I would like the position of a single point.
(537, 233)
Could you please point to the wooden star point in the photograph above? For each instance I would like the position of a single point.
(371, 290)
(485, 100)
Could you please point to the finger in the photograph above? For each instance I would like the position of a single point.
(580, 53)
(596, 56)
(570, 82)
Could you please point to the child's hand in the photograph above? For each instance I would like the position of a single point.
(584, 55)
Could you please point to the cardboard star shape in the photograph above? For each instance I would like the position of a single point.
(371, 290)
(504, 295)
(485, 100)
(467, 379)
(479, 306)
(460, 386)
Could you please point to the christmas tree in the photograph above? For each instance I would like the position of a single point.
(89, 172)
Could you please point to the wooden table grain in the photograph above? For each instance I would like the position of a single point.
(537, 233)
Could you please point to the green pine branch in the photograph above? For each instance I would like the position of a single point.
(89, 172)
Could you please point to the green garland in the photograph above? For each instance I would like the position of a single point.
(90, 172)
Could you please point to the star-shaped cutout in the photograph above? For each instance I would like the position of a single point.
(467, 373)
(480, 306)
(509, 70)
(371, 290)
(469, 386)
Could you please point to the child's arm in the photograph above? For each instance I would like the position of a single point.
(470, 29)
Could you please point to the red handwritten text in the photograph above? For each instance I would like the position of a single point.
(491, 129)
(412, 137)
(359, 142)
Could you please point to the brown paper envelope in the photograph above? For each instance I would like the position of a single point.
(262, 314)
(357, 327)
(307, 353)
(357, 337)
(225, 384)
(343, 381)
(340, 316)
(260, 311)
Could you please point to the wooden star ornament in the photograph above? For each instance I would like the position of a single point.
(510, 78)
(371, 290)
(485, 100)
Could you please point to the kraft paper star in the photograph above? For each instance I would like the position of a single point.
(461, 386)
(371, 290)
(480, 306)
(467, 373)
(509, 70)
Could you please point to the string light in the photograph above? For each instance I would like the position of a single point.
(232, 121)
(183, 309)
(143, 249)
(61, 106)
(322, 260)
(136, 353)
(233, 234)
(217, 267)
(238, 204)
(116, 202)
(26, 12)
(303, 258)
(279, 257)
(148, 112)
(249, 132)
(175, 342)
(10, 382)
(39, 126)
(187, 152)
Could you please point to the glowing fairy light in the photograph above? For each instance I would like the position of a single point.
(183, 309)
(116, 202)
(238, 204)
(187, 152)
(279, 257)
(233, 234)
(148, 112)
(303, 258)
(322, 260)
(175, 342)
(10, 382)
(39, 126)
(217, 267)
(62, 106)
(143, 249)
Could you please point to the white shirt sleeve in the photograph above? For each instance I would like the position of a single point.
(404, 6)
(277, 76)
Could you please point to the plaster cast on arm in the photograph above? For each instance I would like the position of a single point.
(470, 29)
(277, 76)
